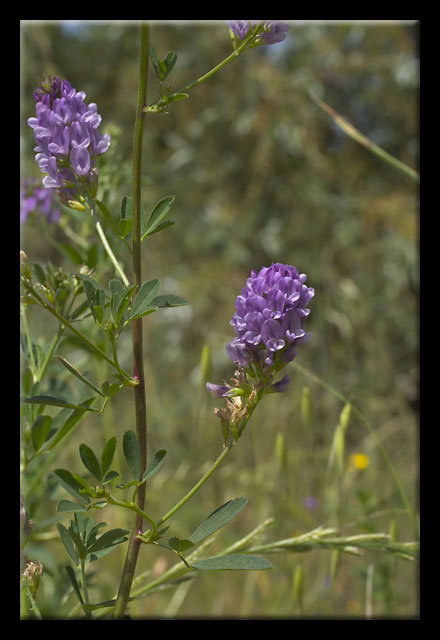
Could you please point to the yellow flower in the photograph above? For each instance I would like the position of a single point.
(358, 461)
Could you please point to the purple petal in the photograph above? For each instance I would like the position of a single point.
(218, 390)
(80, 159)
(281, 385)
(238, 352)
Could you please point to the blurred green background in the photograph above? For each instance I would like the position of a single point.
(260, 174)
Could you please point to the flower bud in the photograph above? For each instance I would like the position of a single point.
(33, 574)
(74, 204)
(47, 292)
(25, 269)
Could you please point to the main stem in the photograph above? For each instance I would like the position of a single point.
(137, 343)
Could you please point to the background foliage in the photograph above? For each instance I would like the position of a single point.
(260, 175)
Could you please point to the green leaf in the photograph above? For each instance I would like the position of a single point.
(180, 545)
(168, 300)
(98, 313)
(170, 61)
(73, 418)
(90, 461)
(218, 519)
(160, 227)
(100, 605)
(68, 542)
(67, 506)
(109, 390)
(125, 227)
(99, 505)
(86, 489)
(154, 59)
(117, 289)
(40, 430)
(111, 475)
(93, 530)
(178, 96)
(126, 210)
(160, 210)
(132, 483)
(58, 402)
(241, 561)
(79, 310)
(89, 283)
(96, 295)
(107, 455)
(162, 69)
(155, 464)
(132, 453)
(109, 539)
(72, 486)
(145, 295)
(39, 272)
(124, 302)
(71, 574)
(143, 313)
(70, 367)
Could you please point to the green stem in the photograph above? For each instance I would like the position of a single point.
(227, 448)
(84, 584)
(33, 604)
(49, 353)
(207, 75)
(137, 338)
(133, 507)
(80, 335)
(32, 364)
(197, 486)
(111, 255)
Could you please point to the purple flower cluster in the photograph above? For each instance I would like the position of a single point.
(270, 317)
(270, 325)
(67, 137)
(37, 199)
(274, 30)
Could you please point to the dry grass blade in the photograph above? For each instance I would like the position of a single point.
(363, 140)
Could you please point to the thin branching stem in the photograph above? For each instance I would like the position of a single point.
(137, 343)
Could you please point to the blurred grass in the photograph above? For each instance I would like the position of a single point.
(260, 174)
